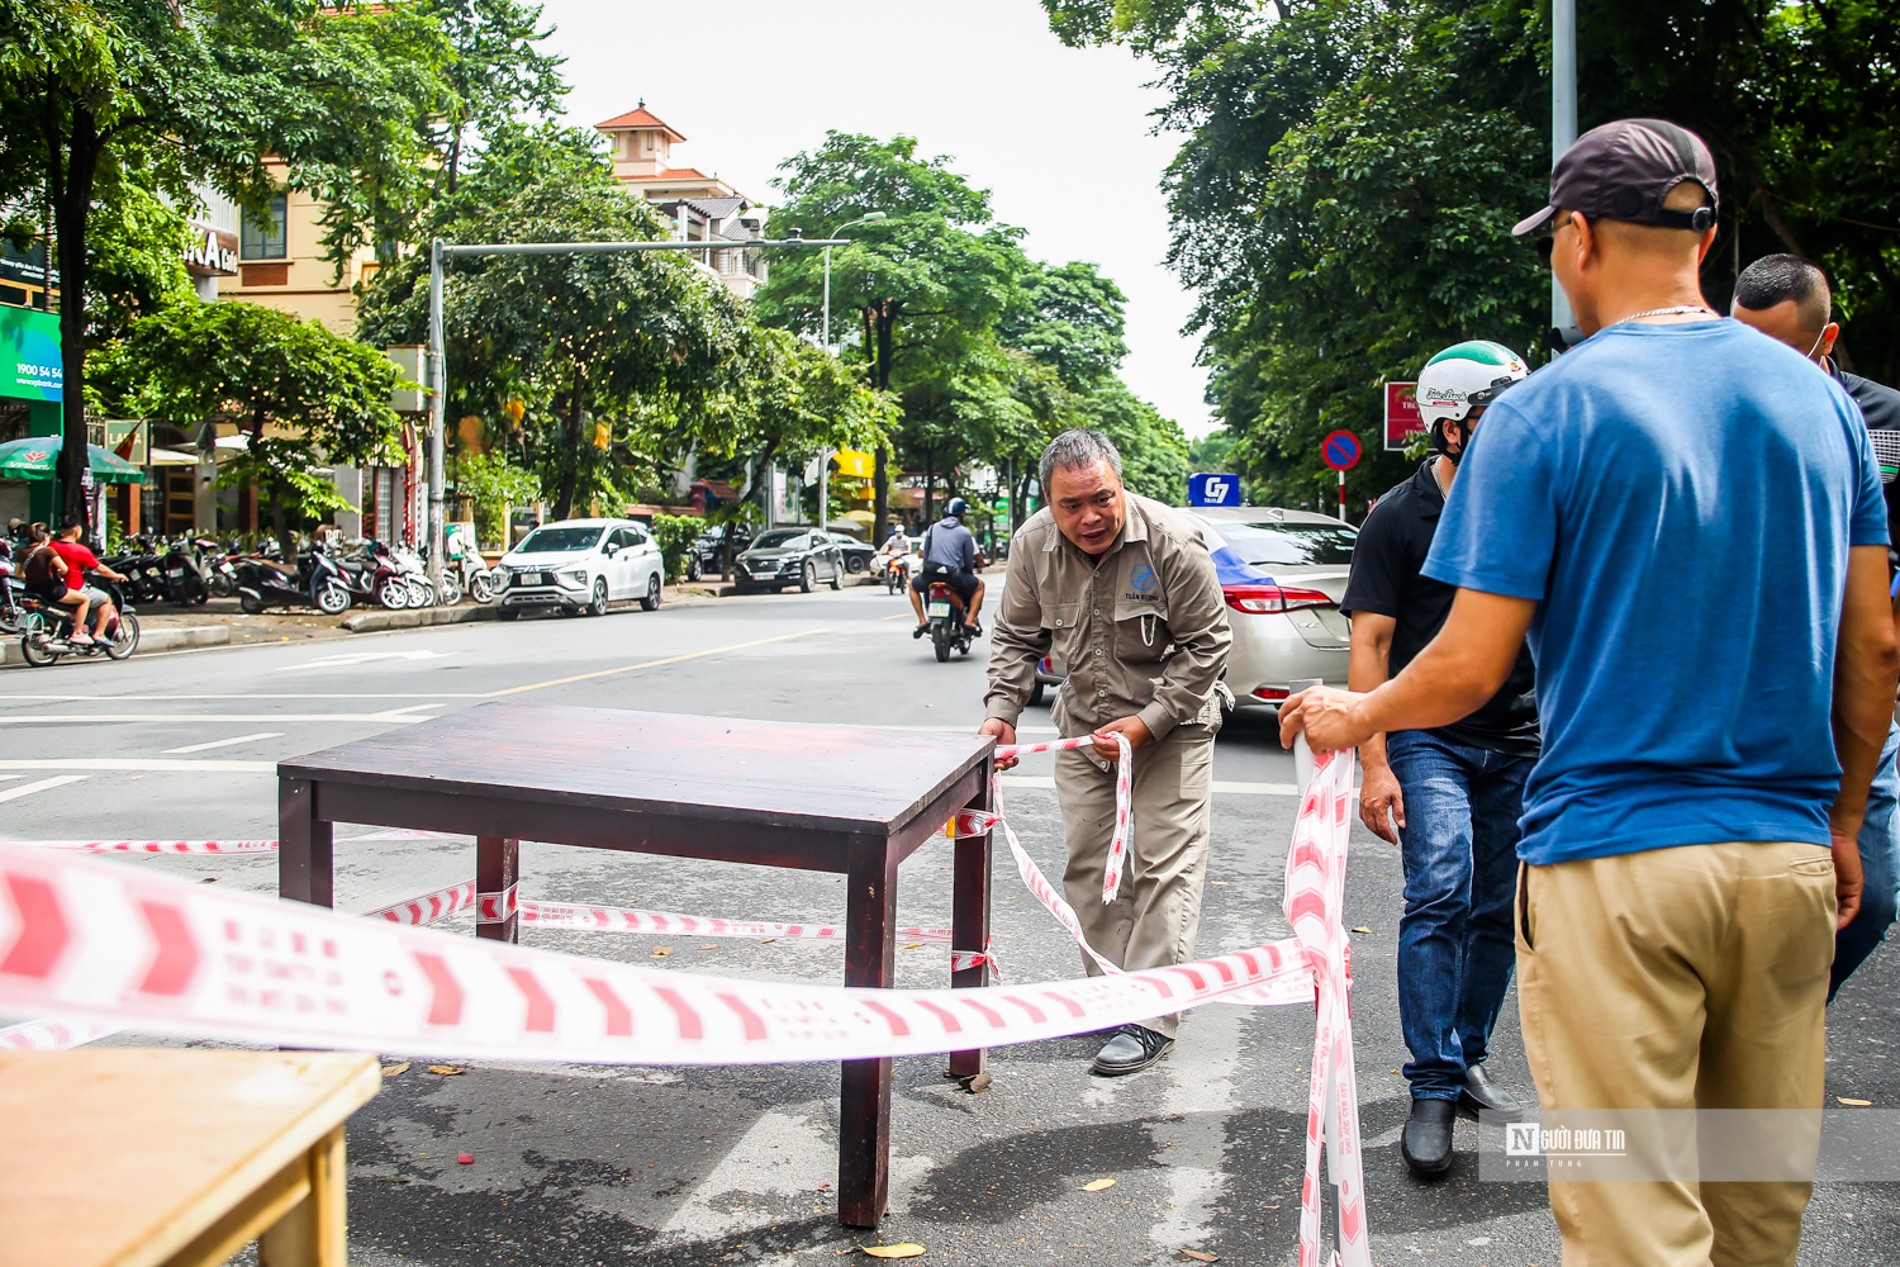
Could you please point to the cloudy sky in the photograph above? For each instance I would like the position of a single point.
(1059, 136)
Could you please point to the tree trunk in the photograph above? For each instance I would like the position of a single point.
(571, 475)
(72, 201)
(930, 483)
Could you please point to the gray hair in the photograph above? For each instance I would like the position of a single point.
(1075, 448)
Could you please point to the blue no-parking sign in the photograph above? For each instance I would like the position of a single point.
(1206, 488)
(1340, 450)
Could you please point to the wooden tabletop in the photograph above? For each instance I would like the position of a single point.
(123, 1155)
(837, 778)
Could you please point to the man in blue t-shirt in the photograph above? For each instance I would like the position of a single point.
(1687, 521)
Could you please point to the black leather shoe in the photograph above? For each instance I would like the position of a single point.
(1426, 1141)
(920, 630)
(1132, 1049)
(1481, 1095)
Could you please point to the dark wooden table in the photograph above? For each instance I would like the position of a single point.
(777, 794)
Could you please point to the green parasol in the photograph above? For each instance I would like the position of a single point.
(37, 458)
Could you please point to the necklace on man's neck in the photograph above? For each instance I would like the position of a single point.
(1674, 310)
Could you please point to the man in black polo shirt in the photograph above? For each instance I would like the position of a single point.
(1450, 797)
(1788, 299)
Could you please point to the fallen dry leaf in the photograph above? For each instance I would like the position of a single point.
(766, 941)
(394, 1071)
(1361, 929)
(1859, 1104)
(1219, 883)
(661, 952)
(913, 945)
(903, 1249)
(977, 1084)
(711, 945)
(1200, 1256)
(1098, 1185)
(447, 1071)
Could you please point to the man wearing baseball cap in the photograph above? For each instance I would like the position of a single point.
(1686, 519)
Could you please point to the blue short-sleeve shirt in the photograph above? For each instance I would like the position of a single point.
(1680, 500)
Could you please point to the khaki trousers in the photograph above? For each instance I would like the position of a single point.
(1685, 978)
(1157, 911)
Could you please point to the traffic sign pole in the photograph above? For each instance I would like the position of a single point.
(1341, 451)
(1342, 497)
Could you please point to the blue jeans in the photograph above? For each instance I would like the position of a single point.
(1456, 949)
(1879, 864)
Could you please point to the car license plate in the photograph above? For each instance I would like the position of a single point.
(940, 608)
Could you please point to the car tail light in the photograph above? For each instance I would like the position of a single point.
(1271, 693)
(1260, 600)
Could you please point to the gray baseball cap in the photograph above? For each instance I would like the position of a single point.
(1624, 170)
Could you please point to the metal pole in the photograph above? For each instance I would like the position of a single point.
(1342, 496)
(1563, 115)
(438, 401)
(824, 454)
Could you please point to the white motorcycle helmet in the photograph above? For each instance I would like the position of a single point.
(1463, 377)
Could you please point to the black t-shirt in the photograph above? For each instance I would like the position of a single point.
(1880, 406)
(1388, 580)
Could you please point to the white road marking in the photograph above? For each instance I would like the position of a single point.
(1193, 1131)
(226, 743)
(350, 659)
(140, 765)
(41, 785)
(273, 695)
(398, 718)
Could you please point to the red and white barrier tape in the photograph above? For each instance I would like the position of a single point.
(212, 846)
(1124, 809)
(1313, 902)
(125, 946)
(52, 1035)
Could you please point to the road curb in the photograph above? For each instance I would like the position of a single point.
(149, 640)
(378, 621)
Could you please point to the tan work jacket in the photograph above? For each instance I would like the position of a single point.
(1141, 630)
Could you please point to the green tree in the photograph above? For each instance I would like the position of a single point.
(300, 395)
(1351, 169)
(927, 285)
(492, 483)
(94, 91)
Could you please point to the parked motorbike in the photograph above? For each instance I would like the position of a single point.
(221, 563)
(46, 629)
(316, 582)
(12, 597)
(414, 574)
(187, 578)
(944, 611)
(370, 575)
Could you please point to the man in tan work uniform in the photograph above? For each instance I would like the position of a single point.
(1123, 591)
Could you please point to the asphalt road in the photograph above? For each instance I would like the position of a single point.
(697, 1166)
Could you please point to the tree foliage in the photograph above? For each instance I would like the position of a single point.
(987, 351)
(99, 97)
(300, 395)
(599, 369)
(1351, 168)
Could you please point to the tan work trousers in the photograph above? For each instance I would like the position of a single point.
(1157, 911)
(1685, 978)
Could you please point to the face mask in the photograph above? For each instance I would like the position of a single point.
(1817, 343)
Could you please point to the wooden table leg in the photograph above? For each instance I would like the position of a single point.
(864, 1101)
(304, 846)
(497, 867)
(314, 1232)
(970, 923)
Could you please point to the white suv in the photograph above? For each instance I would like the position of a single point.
(579, 565)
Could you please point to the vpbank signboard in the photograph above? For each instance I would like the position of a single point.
(30, 368)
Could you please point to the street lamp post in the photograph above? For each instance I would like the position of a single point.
(440, 253)
(1563, 116)
(824, 337)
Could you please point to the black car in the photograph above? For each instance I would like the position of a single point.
(705, 556)
(857, 554)
(789, 556)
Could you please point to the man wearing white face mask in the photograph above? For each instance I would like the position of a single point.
(1787, 298)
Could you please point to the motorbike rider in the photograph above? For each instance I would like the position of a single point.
(950, 557)
(66, 557)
